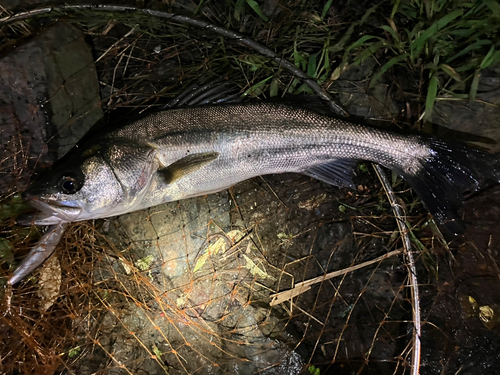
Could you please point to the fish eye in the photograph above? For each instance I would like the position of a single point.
(69, 184)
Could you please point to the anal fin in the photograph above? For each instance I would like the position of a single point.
(336, 172)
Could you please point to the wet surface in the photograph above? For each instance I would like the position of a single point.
(478, 118)
(468, 336)
(275, 231)
(46, 107)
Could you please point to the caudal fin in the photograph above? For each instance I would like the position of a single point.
(450, 171)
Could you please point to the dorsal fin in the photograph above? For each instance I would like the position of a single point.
(214, 92)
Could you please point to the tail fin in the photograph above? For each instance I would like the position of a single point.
(450, 171)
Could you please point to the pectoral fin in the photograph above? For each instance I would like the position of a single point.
(187, 165)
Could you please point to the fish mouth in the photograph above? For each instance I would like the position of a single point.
(55, 210)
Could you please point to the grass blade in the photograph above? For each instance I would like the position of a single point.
(200, 4)
(386, 67)
(360, 42)
(494, 6)
(450, 71)
(257, 89)
(391, 31)
(338, 71)
(256, 8)
(369, 51)
(488, 59)
(312, 64)
(326, 64)
(274, 88)
(473, 87)
(368, 13)
(326, 8)
(419, 44)
(340, 45)
(431, 97)
(448, 18)
(238, 9)
(394, 61)
(471, 47)
(298, 60)
(395, 8)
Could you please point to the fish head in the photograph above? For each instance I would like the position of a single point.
(75, 191)
(102, 181)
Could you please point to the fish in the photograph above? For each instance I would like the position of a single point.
(187, 152)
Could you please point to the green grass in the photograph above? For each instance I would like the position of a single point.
(445, 44)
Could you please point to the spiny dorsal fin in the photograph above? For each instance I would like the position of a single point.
(187, 165)
(337, 172)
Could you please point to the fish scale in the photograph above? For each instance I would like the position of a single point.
(251, 139)
(187, 152)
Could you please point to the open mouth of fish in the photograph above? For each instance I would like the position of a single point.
(51, 212)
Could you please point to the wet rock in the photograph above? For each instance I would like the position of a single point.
(362, 101)
(478, 118)
(48, 100)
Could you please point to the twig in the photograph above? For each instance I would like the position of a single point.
(304, 286)
(412, 272)
(231, 35)
(131, 31)
(272, 191)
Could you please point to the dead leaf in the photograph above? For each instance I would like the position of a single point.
(313, 203)
(218, 246)
(255, 270)
(50, 282)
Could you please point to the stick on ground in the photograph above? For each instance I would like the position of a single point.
(304, 286)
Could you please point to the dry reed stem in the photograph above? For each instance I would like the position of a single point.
(412, 271)
(304, 286)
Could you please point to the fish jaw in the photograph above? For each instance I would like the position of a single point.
(51, 212)
(42, 251)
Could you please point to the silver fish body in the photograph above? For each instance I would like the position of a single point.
(123, 171)
(182, 153)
